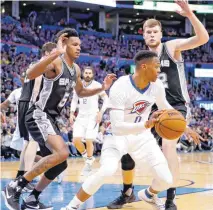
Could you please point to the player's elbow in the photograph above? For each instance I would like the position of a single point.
(30, 74)
(204, 38)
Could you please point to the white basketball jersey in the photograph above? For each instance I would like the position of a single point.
(137, 103)
(89, 105)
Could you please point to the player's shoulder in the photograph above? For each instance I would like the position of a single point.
(18, 90)
(158, 84)
(96, 83)
(120, 85)
(122, 80)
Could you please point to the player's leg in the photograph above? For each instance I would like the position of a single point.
(151, 154)
(109, 162)
(170, 152)
(79, 130)
(90, 136)
(127, 195)
(32, 201)
(21, 169)
(45, 132)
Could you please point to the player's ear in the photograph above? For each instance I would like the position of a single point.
(143, 66)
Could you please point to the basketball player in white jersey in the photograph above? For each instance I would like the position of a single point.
(173, 77)
(89, 116)
(131, 99)
(13, 98)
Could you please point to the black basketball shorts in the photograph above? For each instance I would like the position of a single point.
(23, 107)
(40, 124)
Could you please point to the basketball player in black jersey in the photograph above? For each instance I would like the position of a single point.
(28, 153)
(61, 75)
(173, 76)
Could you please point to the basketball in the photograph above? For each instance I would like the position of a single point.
(171, 125)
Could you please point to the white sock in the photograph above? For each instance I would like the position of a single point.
(75, 202)
(84, 154)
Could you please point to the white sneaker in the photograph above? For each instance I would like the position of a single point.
(68, 208)
(156, 202)
(88, 166)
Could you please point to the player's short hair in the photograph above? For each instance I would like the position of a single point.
(144, 54)
(71, 32)
(90, 68)
(152, 23)
(48, 47)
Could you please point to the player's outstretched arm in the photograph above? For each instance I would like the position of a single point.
(84, 92)
(73, 106)
(201, 35)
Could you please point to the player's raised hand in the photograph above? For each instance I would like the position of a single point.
(61, 47)
(72, 119)
(194, 135)
(185, 8)
(153, 119)
(108, 80)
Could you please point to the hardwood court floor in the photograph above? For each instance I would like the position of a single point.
(195, 192)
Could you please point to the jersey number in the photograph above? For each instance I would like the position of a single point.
(63, 100)
(84, 101)
(163, 78)
(138, 119)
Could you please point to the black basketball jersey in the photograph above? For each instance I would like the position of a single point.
(27, 90)
(173, 77)
(54, 93)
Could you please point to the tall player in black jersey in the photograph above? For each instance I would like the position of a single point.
(173, 76)
(61, 75)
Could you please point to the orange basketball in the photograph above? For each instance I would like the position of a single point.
(171, 125)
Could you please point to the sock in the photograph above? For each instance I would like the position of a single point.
(35, 193)
(20, 173)
(127, 189)
(22, 182)
(171, 192)
(75, 203)
(149, 193)
(89, 158)
(84, 154)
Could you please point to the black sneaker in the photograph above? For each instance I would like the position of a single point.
(11, 197)
(121, 200)
(35, 205)
(170, 205)
(29, 188)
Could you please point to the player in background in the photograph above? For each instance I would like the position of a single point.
(89, 116)
(173, 77)
(131, 99)
(60, 76)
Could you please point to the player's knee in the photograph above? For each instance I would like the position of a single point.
(52, 173)
(108, 171)
(63, 154)
(127, 163)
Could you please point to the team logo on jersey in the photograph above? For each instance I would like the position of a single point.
(139, 107)
(165, 63)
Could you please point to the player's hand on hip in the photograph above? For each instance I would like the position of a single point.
(99, 117)
(61, 46)
(194, 135)
(72, 119)
(185, 8)
(108, 80)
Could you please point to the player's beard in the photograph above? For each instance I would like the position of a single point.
(88, 79)
(153, 45)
